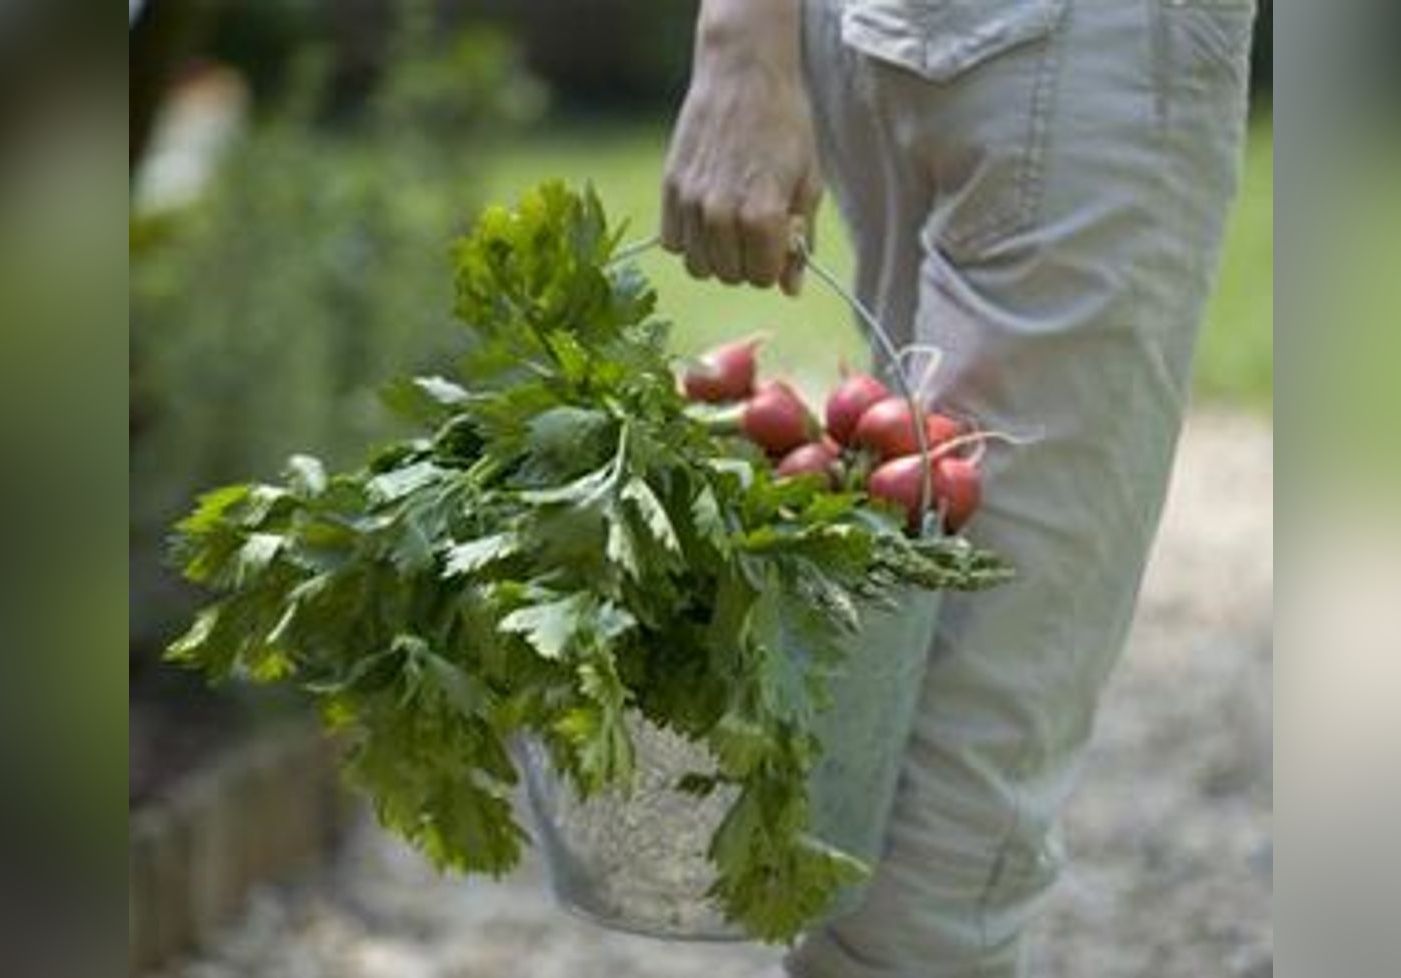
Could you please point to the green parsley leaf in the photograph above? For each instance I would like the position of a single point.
(549, 627)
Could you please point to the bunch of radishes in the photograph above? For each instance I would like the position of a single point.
(870, 441)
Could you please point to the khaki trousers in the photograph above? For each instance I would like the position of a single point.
(1038, 187)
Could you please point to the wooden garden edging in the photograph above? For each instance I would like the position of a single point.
(257, 812)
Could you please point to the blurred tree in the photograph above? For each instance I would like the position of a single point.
(1262, 51)
(262, 318)
(603, 53)
(360, 33)
(637, 53)
(262, 39)
(616, 54)
(161, 36)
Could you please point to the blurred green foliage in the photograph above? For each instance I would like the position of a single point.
(1262, 50)
(637, 53)
(1235, 363)
(618, 54)
(263, 318)
(1349, 404)
(261, 38)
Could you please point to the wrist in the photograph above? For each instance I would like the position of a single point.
(763, 31)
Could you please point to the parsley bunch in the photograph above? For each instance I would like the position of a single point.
(561, 545)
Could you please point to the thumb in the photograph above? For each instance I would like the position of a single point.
(804, 225)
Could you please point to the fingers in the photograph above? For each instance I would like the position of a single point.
(672, 231)
(693, 248)
(763, 227)
(722, 242)
(687, 228)
(745, 242)
(804, 208)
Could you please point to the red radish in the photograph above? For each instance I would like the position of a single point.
(723, 374)
(900, 481)
(776, 419)
(940, 428)
(781, 386)
(887, 428)
(959, 488)
(849, 402)
(814, 458)
(831, 444)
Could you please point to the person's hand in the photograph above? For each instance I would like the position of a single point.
(741, 174)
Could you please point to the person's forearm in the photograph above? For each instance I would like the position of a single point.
(766, 31)
(741, 173)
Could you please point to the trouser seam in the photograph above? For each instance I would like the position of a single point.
(996, 873)
(1030, 171)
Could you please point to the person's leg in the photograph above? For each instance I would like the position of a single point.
(1070, 193)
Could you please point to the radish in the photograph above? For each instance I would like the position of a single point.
(831, 444)
(900, 481)
(887, 428)
(781, 386)
(776, 419)
(959, 488)
(940, 428)
(849, 401)
(814, 458)
(723, 374)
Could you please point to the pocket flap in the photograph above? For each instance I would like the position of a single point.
(941, 38)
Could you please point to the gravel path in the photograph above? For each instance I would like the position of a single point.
(1170, 832)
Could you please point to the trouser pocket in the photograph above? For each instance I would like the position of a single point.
(963, 89)
(1206, 43)
(941, 38)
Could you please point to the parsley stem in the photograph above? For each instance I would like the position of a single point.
(485, 470)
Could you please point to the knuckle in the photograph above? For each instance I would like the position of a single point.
(761, 220)
(686, 193)
(717, 210)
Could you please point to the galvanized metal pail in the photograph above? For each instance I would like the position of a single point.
(637, 861)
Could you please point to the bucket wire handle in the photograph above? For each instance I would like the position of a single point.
(892, 353)
(931, 365)
(632, 249)
(874, 330)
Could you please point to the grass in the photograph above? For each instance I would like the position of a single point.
(1236, 358)
(813, 332)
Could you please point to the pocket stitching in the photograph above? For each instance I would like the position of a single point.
(876, 37)
(1030, 166)
(1212, 4)
(1224, 17)
(993, 39)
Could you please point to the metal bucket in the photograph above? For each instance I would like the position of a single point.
(637, 862)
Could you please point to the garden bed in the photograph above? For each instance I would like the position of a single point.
(227, 812)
